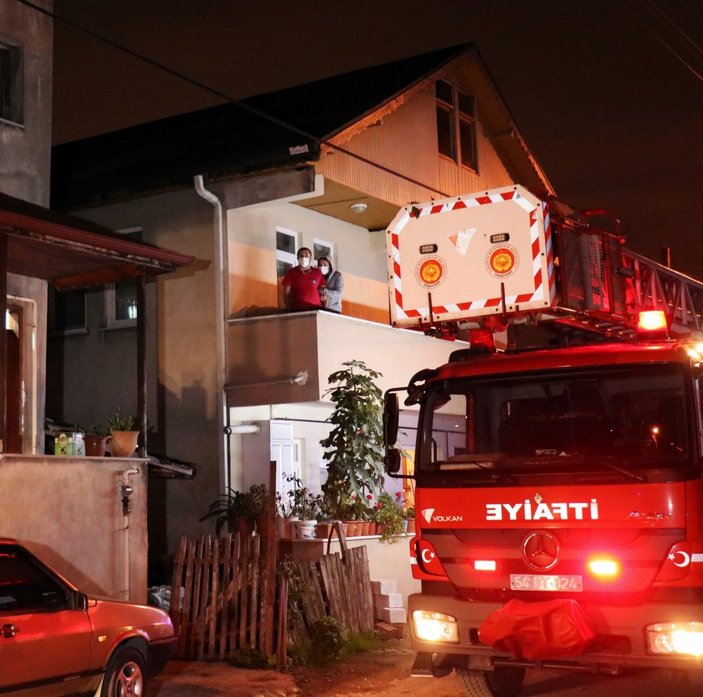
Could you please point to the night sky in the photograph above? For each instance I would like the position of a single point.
(614, 118)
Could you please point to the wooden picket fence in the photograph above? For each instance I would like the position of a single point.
(334, 586)
(228, 597)
(231, 603)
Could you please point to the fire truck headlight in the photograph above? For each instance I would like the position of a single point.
(685, 638)
(435, 626)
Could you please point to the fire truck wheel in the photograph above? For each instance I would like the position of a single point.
(501, 682)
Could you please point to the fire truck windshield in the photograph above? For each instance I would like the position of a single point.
(626, 418)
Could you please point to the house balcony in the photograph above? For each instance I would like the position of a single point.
(287, 358)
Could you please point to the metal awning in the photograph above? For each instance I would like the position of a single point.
(71, 252)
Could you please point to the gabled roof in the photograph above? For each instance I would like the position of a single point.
(236, 138)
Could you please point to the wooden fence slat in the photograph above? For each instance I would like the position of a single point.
(234, 592)
(201, 625)
(254, 590)
(224, 595)
(243, 594)
(187, 626)
(213, 614)
(176, 608)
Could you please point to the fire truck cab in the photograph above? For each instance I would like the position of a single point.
(558, 481)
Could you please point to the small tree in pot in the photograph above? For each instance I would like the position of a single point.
(354, 447)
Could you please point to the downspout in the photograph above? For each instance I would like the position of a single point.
(220, 319)
(126, 491)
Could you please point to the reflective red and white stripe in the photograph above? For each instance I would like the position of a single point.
(487, 303)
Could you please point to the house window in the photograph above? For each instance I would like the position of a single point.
(67, 313)
(286, 250)
(11, 88)
(323, 249)
(456, 125)
(121, 297)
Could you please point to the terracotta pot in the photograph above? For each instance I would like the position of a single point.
(123, 443)
(95, 446)
(323, 530)
(411, 525)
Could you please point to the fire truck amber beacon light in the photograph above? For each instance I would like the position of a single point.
(652, 321)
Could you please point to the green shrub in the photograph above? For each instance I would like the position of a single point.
(328, 637)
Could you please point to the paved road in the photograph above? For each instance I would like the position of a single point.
(184, 679)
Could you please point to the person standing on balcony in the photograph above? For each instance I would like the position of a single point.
(302, 284)
(331, 294)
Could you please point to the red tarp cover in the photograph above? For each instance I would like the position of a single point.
(538, 630)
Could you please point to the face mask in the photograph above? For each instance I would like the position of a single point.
(304, 262)
(324, 270)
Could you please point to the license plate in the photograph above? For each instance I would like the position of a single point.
(539, 582)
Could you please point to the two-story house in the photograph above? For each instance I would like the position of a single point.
(241, 187)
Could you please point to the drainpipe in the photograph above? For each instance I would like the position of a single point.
(220, 318)
(126, 491)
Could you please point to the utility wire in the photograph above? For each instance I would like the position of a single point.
(663, 41)
(228, 98)
(674, 25)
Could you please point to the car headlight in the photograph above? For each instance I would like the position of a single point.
(685, 638)
(435, 626)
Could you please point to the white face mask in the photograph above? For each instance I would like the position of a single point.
(304, 262)
(324, 270)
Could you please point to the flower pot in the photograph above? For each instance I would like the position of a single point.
(95, 446)
(323, 530)
(410, 528)
(305, 529)
(123, 443)
(285, 529)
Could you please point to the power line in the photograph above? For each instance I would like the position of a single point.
(662, 40)
(228, 98)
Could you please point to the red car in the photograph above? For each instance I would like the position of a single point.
(56, 641)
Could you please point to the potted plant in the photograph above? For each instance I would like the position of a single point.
(95, 441)
(304, 506)
(410, 519)
(123, 437)
(390, 516)
(353, 449)
(231, 510)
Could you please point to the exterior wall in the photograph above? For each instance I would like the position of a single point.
(69, 512)
(360, 256)
(407, 143)
(183, 406)
(25, 149)
(25, 153)
(264, 352)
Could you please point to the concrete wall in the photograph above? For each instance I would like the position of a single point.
(69, 512)
(25, 148)
(25, 154)
(183, 400)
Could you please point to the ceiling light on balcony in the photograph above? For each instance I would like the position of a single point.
(358, 208)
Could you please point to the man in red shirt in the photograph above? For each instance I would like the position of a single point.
(302, 284)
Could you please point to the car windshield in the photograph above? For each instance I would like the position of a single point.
(629, 417)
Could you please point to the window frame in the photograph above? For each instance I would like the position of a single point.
(458, 122)
(11, 84)
(331, 254)
(111, 292)
(57, 328)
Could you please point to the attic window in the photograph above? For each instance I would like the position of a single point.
(456, 125)
(11, 109)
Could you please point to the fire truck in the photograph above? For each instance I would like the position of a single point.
(557, 463)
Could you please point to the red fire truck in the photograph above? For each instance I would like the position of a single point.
(557, 464)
